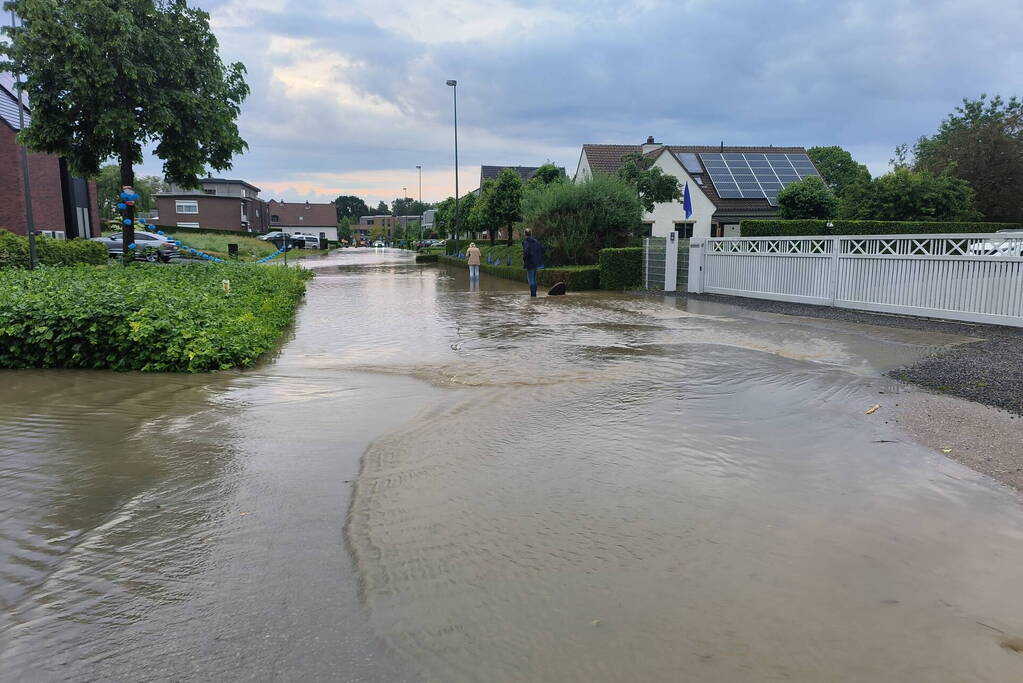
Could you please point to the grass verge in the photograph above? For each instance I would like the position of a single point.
(145, 317)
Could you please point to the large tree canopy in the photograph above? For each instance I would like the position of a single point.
(505, 201)
(107, 78)
(350, 206)
(839, 169)
(982, 143)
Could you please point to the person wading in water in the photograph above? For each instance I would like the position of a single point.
(473, 257)
(532, 258)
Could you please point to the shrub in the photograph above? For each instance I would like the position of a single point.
(621, 268)
(780, 228)
(574, 221)
(141, 317)
(14, 252)
(807, 198)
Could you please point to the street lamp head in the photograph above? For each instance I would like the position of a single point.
(452, 83)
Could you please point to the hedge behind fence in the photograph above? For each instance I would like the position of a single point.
(811, 228)
(50, 252)
(576, 278)
(621, 268)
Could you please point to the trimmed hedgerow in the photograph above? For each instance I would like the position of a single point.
(149, 318)
(621, 268)
(576, 278)
(14, 251)
(815, 227)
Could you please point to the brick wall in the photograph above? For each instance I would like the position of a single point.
(215, 213)
(12, 203)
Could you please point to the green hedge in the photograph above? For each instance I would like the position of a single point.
(808, 227)
(144, 317)
(426, 258)
(576, 278)
(621, 268)
(14, 252)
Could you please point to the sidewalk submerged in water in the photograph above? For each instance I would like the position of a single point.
(972, 407)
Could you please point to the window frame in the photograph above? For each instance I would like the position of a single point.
(180, 203)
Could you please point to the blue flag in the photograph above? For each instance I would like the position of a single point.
(687, 201)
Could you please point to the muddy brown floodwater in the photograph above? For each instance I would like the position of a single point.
(432, 483)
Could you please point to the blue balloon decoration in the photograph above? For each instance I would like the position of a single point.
(131, 246)
(127, 221)
(125, 196)
(121, 206)
(191, 250)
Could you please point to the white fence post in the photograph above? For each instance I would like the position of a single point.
(670, 263)
(836, 251)
(697, 249)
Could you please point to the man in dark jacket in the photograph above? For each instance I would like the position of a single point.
(532, 258)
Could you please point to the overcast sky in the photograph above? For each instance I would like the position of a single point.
(348, 97)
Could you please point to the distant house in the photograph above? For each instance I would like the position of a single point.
(727, 184)
(306, 217)
(218, 204)
(63, 205)
(387, 223)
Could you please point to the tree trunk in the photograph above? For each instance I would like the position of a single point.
(127, 180)
(509, 234)
(493, 237)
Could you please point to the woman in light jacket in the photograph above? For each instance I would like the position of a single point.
(473, 256)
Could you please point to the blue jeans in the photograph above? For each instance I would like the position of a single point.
(474, 272)
(531, 278)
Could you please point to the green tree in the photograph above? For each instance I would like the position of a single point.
(982, 143)
(444, 220)
(377, 232)
(406, 206)
(907, 195)
(381, 209)
(505, 201)
(344, 229)
(576, 220)
(545, 175)
(807, 198)
(838, 168)
(350, 206)
(106, 78)
(479, 218)
(652, 185)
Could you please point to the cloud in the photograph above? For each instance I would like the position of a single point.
(351, 95)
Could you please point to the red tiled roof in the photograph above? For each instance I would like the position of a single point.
(304, 214)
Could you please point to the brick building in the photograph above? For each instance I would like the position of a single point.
(61, 203)
(218, 204)
(305, 217)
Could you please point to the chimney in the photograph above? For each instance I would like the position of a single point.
(650, 145)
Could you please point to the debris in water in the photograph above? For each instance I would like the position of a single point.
(596, 622)
(873, 409)
(946, 450)
(1013, 644)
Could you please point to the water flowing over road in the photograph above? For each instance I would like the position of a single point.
(435, 483)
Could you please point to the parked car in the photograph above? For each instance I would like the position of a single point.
(378, 244)
(274, 236)
(148, 246)
(1012, 245)
(305, 240)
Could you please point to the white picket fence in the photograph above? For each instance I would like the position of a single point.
(974, 277)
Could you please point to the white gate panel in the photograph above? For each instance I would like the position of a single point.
(976, 278)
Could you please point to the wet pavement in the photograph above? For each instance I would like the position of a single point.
(433, 483)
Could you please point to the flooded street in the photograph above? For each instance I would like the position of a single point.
(429, 483)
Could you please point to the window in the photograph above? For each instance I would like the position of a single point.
(186, 206)
(648, 228)
(684, 230)
(188, 225)
(275, 218)
(211, 191)
(257, 213)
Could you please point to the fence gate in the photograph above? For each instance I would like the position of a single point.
(654, 255)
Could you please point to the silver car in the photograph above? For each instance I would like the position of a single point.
(148, 246)
(1008, 243)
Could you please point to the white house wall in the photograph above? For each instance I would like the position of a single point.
(582, 171)
(666, 214)
(330, 232)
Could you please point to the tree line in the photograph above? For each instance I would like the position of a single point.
(971, 169)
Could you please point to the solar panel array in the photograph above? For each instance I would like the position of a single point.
(755, 176)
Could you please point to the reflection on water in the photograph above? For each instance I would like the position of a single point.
(592, 487)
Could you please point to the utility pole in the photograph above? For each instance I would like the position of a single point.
(30, 224)
(454, 92)
(420, 169)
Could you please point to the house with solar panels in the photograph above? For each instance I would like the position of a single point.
(726, 184)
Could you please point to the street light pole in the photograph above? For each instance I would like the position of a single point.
(454, 93)
(420, 169)
(404, 218)
(30, 224)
